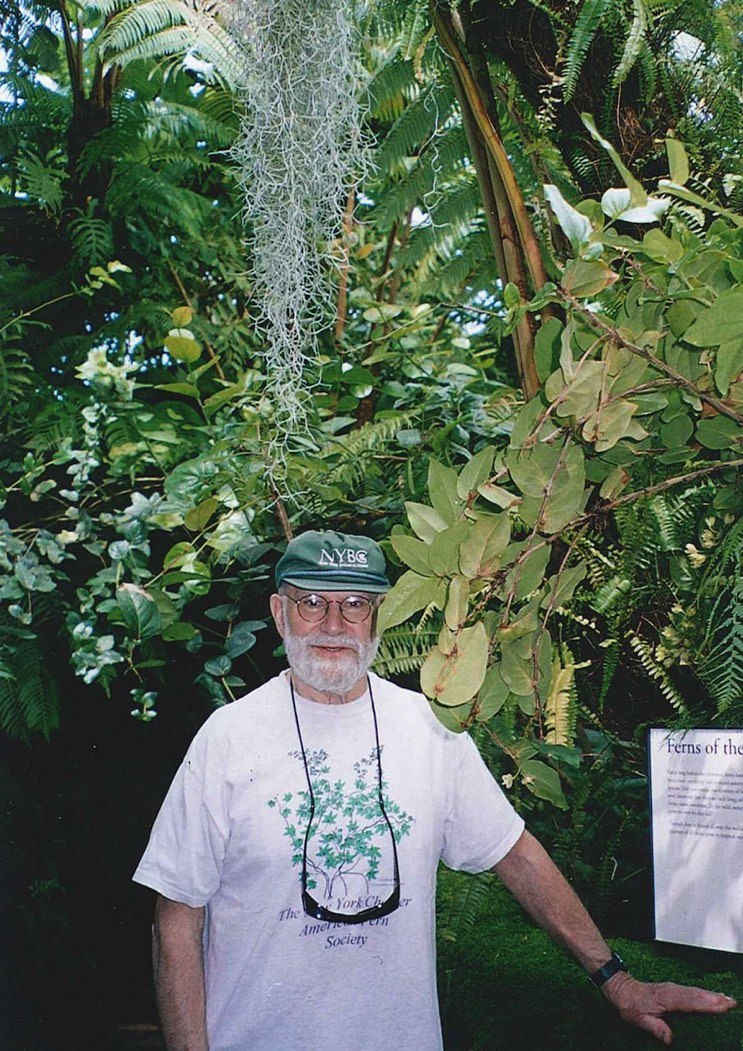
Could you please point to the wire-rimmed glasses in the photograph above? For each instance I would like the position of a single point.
(355, 609)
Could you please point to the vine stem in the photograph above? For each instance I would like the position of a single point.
(598, 324)
(669, 483)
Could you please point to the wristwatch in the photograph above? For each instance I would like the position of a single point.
(614, 964)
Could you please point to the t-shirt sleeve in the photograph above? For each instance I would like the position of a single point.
(481, 825)
(184, 857)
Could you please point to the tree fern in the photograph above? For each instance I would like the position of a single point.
(145, 29)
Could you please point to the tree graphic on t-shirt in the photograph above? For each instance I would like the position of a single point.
(348, 833)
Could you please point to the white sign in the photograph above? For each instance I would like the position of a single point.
(696, 793)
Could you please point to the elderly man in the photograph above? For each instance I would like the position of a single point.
(295, 854)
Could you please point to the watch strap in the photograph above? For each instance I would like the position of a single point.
(610, 968)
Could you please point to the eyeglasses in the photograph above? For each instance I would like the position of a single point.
(311, 906)
(313, 608)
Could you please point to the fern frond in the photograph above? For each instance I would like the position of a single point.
(390, 89)
(636, 40)
(581, 39)
(644, 653)
(403, 650)
(29, 700)
(560, 706)
(414, 126)
(16, 377)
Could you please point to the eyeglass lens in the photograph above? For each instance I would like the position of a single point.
(354, 608)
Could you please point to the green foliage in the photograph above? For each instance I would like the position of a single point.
(505, 579)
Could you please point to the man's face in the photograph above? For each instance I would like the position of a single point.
(331, 654)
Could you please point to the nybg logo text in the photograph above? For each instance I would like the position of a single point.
(343, 556)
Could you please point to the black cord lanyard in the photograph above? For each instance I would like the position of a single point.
(312, 907)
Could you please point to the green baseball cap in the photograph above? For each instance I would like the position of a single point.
(327, 561)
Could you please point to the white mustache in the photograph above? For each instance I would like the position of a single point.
(321, 638)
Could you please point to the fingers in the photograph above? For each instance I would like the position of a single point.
(689, 998)
(659, 1029)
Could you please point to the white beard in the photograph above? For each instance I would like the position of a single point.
(336, 675)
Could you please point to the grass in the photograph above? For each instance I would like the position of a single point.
(503, 984)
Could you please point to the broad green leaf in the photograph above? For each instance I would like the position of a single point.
(533, 468)
(586, 279)
(543, 781)
(166, 607)
(517, 667)
(447, 639)
(453, 718)
(719, 432)
(678, 162)
(187, 389)
(720, 323)
(617, 204)
(562, 494)
(676, 432)
(476, 472)
(495, 494)
(178, 554)
(139, 611)
(682, 315)
(525, 624)
(411, 593)
(198, 517)
(451, 679)
(222, 397)
(182, 317)
(414, 553)
(493, 694)
(443, 555)
(181, 631)
(380, 313)
(182, 346)
(576, 226)
(425, 521)
(610, 424)
(562, 586)
(547, 347)
(578, 389)
(457, 602)
(729, 364)
(528, 574)
(442, 491)
(615, 481)
(484, 543)
(218, 666)
(240, 639)
(660, 248)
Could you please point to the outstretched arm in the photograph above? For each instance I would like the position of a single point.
(535, 881)
(178, 967)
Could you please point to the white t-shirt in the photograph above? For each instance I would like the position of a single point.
(230, 834)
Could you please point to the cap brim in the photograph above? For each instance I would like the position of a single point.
(325, 582)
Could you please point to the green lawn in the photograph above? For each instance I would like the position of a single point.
(503, 984)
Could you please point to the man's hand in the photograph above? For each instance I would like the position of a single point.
(535, 881)
(643, 1004)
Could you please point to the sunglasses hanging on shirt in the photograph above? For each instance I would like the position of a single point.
(313, 907)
